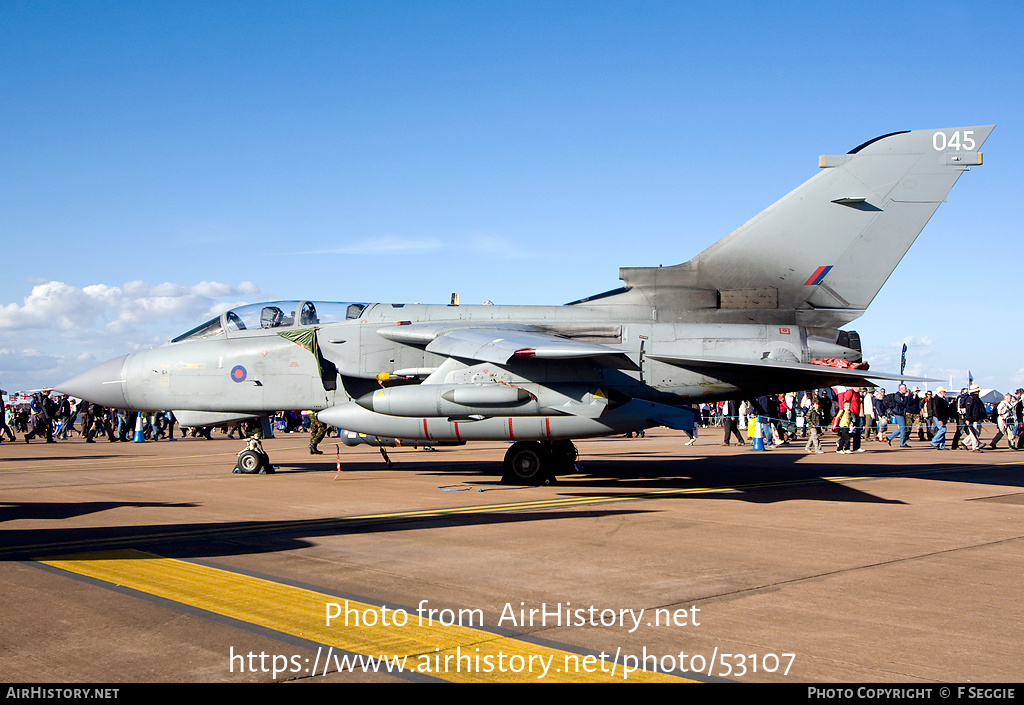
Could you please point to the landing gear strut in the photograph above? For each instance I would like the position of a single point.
(537, 463)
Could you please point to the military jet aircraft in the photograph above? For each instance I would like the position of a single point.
(747, 316)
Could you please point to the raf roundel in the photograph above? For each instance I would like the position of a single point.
(238, 373)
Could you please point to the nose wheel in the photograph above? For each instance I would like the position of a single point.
(253, 460)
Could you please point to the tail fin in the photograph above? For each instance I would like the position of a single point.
(821, 253)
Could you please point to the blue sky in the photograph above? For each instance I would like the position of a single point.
(162, 160)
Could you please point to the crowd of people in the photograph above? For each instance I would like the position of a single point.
(53, 418)
(853, 414)
(856, 414)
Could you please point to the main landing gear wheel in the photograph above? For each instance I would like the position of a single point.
(536, 463)
(563, 457)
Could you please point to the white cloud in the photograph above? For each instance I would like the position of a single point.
(77, 327)
(27, 360)
(214, 289)
(55, 304)
(911, 342)
(385, 246)
(119, 328)
(494, 246)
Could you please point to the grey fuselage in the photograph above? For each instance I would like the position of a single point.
(254, 371)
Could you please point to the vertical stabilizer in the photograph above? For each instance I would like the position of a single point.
(820, 254)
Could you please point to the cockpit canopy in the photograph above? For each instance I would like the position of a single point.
(274, 314)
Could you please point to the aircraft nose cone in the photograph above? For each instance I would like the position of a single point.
(103, 384)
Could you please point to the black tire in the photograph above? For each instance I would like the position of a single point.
(527, 463)
(563, 457)
(250, 462)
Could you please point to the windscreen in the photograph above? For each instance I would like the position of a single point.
(206, 330)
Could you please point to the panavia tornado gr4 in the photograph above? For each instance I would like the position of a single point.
(748, 316)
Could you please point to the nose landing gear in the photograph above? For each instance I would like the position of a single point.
(253, 460)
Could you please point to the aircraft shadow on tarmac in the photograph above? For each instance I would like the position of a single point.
(199, 540)
(13, 458)
(750, 477)
(9, 511)
(747, 477)
(781, 478)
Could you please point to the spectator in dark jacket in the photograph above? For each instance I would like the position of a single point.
(938, 410)
(732, 412)
(896, 406)
(974, 415)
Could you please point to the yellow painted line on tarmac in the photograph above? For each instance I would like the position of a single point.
(452, 653)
